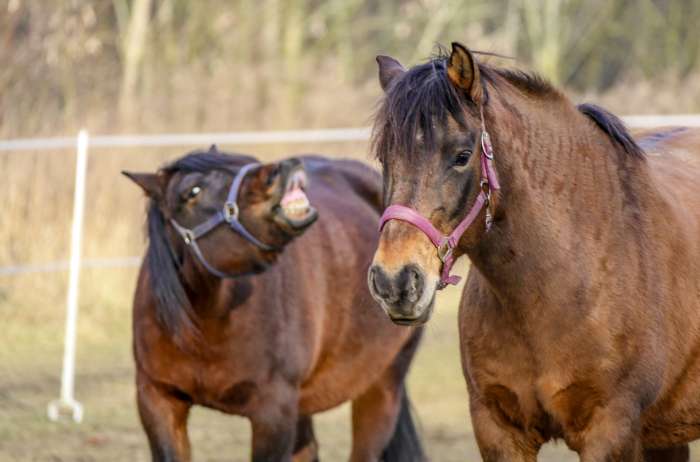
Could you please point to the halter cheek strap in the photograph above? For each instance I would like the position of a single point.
(229, 214)
(446, 244)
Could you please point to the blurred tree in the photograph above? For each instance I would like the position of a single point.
(133, 23)
(258, 63)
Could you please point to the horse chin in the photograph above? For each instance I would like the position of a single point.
(423, 316)
(294, 225)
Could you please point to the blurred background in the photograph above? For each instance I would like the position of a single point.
(173, 66)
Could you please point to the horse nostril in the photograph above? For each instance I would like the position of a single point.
(379, 283)
(411, 281)
(371, 279)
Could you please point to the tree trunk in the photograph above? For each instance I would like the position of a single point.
(133, 45)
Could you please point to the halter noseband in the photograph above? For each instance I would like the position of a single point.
(229, 214)
(446, 244)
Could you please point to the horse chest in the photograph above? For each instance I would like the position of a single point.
(229, 376)
(524, 388)
(549, 406)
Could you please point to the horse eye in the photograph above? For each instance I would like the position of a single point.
(462, 158)
(194, 192)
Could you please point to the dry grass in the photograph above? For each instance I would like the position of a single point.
(35, 229)
(30, 370)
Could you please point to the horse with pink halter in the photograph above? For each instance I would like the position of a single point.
(580, 317)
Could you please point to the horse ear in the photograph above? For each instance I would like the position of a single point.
(463, 72)
(389, 69)
(151, 183)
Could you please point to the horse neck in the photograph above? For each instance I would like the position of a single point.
(209, 295)
(566, 193)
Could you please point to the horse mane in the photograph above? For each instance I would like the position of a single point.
(613, 127)
(424, 97)
(173, 307)
(528, 82)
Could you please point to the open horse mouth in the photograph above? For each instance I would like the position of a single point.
(294, 212)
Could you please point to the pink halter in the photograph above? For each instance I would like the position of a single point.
(446, 244)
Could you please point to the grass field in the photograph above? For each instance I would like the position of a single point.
(35, 219)
(30, 365)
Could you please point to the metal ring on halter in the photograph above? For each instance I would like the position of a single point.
(230, 211)
(187, 235)
(445, 250)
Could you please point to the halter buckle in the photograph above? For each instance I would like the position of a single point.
(230, 211)
(444, 250)
(187, 236)
(486, 188)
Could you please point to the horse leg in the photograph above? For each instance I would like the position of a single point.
(382, 425)
(164, 418)
(677, 454)
(306, 447)
(274, 424)
(500, 441)
(374, 416)
(613, 434)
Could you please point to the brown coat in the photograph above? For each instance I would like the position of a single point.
(580, 318)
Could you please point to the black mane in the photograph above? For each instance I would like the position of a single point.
(424, 97)
(206, 161)
(613, 127)
(529, 82)
(164, 264)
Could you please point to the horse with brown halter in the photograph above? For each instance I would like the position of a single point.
(580, 317)
(245, 305)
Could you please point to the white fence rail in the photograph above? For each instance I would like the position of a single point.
(192, 139)
(67, 402)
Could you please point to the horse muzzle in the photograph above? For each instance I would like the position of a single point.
(294, 212)
(407, 296)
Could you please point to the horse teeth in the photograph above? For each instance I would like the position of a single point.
(297, 208)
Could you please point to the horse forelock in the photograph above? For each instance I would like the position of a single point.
(412, 108)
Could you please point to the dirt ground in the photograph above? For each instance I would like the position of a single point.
(30, 356)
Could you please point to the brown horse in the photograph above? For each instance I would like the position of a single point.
(244, 306)
(580, 317)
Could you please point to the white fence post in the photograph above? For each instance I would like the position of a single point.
(67, 402)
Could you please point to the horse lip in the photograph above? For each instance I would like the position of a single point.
(298, 224)
(291, 226)
(294, 173)
(289, 175)
(421, 319)
(403, 321)
(425, 314)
